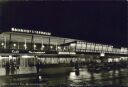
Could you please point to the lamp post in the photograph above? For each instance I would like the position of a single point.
(5, 42)
(42, 46)
(25, 45)
(34, 45)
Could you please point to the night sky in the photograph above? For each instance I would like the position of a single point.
(103, 22)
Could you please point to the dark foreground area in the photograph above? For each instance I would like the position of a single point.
(68, 77)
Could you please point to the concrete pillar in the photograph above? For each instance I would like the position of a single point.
(49, 42)
(42, 46)
(63, 46)
(32, 42)
(56, 47)
(34, 45)
(75, 45)
(94, 47)
(18, 46)
(10, 41)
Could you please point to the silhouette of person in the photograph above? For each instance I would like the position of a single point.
(7, 68)
(12, 66)
(37, 66)
(71, 63)
(77, 73)
(77, 65)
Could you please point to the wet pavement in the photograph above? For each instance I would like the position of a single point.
(68, 78)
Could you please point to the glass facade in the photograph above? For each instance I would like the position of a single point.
(14, 42)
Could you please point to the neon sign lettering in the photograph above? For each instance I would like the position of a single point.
(29, 31)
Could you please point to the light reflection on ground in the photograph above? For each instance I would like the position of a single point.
(81, 78)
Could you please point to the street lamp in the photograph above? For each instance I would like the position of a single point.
(25, 46)
(51, 47)
(34, 46)
(42, 47)
(59, 47)
(14, 45)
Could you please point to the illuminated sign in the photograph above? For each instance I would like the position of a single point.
(66, 53)
(37, 52)
(13, 51)
(26, 56)
(29, 31)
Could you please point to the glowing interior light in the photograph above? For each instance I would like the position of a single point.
(26, 56)
(73, 44)
(64, 48)
(42, 46)
(2, 44)
(66, 53)
(13, 29)
(10, 57)
(102, 54)
(14, 45)
(25, 45)
(34, 45)
(109, 59)
(40, 77)
(116, 60)
(51, 47)
(59, 48)
(21, 30)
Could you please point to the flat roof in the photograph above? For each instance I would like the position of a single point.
(20, 37)
(38, 38)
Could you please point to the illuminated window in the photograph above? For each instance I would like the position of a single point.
(49, 34)
(21, 30)
(2, 44)
(32, 31)
(13, 29)
(18, 30)
(42, 46)
(41, 32)
(27, 31)
(59, 47)
(102, 54)
(73, 44)
(34, 46)
(51, 47)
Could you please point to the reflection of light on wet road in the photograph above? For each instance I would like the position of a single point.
(74, 79)
(101, 78)
(83, 74)
(78, 79)
(72, 76)
(113, 77)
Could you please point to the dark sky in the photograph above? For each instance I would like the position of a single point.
(94, 21)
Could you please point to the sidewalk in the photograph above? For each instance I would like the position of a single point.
(45, 73)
